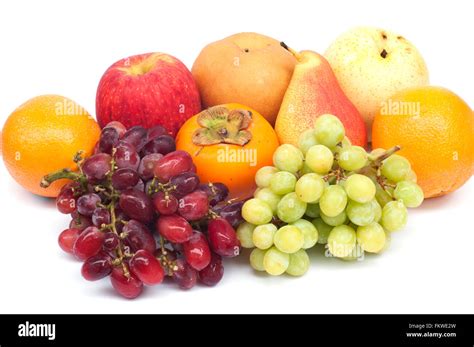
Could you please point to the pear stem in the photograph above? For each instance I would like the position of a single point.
(291, 50)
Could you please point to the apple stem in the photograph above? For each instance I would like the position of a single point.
(291, 50)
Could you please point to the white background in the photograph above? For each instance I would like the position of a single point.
(64, 47)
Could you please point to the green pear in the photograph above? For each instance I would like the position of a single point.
(372, 64)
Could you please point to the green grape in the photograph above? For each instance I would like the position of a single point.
(310, 233)
(346, 142)
(290, 208)
(328, 130)
(263, 236)
(377, 210)
(410, 193)
(335, 221)
(263, 176)
(312, 210)
(371, 237)
(267, 195)
(341, 241)
(305, 170)
(289, 239)
(275, 262)
(388, 241)
(257, 212)
(283, 183)
(412, 176)
(323, 230)
(360, 214)
(359, 188)
(396, 168)
(382, 196)
(299, 263)
(333, 201)
(256, 259)
(244, 233)
(319, 158)
(306, 140)
(352, 158)
(309, 187)
(377, 152)
(288, 158)
(394, 216)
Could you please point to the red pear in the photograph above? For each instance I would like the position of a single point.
(312, 92)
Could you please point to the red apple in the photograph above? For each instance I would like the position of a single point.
(147, 89)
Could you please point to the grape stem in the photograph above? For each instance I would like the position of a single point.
(378, 160)
(113, 218)
(62, 174)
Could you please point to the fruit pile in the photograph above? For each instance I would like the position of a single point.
(172, 195)
(326, 191)
(139, 213)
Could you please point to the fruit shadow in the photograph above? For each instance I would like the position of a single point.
(452, 199)
(21, 194)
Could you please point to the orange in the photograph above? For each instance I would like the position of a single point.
(435, 129)
(234, 165)
(42, 136)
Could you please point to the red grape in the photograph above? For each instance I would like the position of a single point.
(119, 127)
(173, 164)
(216, 192)
(174, 228)
(163, 144)
(140, 185)
(232, 213)
(88, 243)
(109, 138)
(66, 202)
(67, 238)
(126, 156)
(96, 167)
(213, 273)
(184, 183)
(138, 236)
(136, 136)
(124, 178)
(87, 203)
(137, 205)
(147, 165)
(127, 286)
(100, 216)
(184, 275)
(79, 221)
(154, 132)
(96, 267)
(165, 203)
(193, 206)
(146, 268)
(111, 241)
(222, 238)
(197, 252)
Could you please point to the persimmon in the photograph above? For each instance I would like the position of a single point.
(229, 143)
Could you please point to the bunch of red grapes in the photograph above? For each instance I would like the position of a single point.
(140, 213)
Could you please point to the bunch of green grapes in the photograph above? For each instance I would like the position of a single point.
(326, 191)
